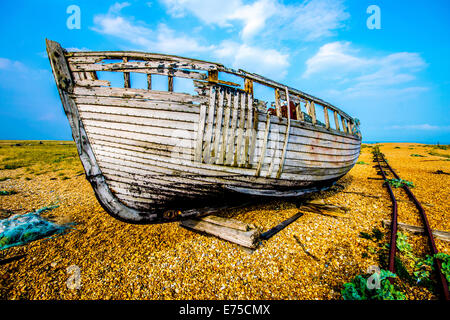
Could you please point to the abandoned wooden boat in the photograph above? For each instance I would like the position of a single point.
(154, 156)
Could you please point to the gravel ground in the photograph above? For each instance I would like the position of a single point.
(113, 260)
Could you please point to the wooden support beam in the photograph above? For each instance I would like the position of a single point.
(126, 76)
(277, 103)
(313, 112)
(248, 239)
(248, 86)
(170, 83)
(286, 135)
(149, 81)
(264, 146)
(327, 119)
(227, 222)
(344, 126)
(213, 75)
(336, 121)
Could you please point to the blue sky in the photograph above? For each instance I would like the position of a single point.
(395, 79)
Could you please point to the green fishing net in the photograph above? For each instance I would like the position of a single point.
(21, 229)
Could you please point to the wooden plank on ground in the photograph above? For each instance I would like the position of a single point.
(248, 239)
(442, 235)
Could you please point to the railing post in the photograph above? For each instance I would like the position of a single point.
(336, 121)
(126, 76)
(213, 75)
(327, 120)
(344, 127)
(170, 83)
(277, 103)
(149, 81)
(248, 86)
(313, 112)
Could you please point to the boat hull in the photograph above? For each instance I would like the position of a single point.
(158, 156)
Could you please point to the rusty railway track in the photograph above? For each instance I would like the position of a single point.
(380, 159)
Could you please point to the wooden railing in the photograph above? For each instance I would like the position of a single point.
(173, 66)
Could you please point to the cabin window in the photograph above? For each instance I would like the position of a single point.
(115, 78)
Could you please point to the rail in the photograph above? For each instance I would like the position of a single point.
(379, 158)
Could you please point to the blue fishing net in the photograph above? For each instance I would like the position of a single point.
(21, 229)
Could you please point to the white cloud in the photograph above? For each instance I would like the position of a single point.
(337, 57)
(118, 6)
(310, 20)
(7, 64)
(163, 39)
(268, 62)
(317, 18)
(366, 76)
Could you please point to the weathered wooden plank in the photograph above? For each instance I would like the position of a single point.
(159, 59)
(286, 136)
(200, 134)
(239, 156)
(231, 154)
(336, 121)
(225, 147)
(140, 67)
(140, 146)
(218, 126)
(209, 125)
(135, 128)
(92, 83)
(128, 93)
(264, 146)
(247, 239)
(170, 82)
(313, 112)
(126, 75)
(299, 112)
(442, 235)
(137, 112)
(189, 127)
(327, 119)
(277, 103)
(344, 126)
(248, 86)
(254, 138)
(248, 129)
(142, 104)
(149, 81)
(227, 222)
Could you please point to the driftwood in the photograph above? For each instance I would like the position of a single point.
(443, 235)
(227, 229)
